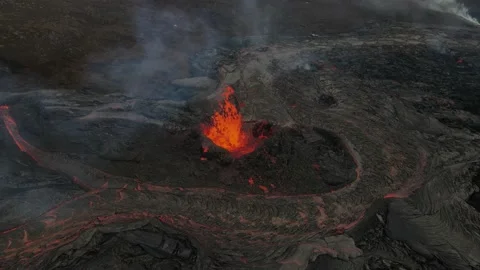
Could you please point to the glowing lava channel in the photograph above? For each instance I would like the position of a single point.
(226, 129)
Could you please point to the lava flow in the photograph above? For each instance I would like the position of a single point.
(227, 130)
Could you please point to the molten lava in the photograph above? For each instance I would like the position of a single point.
(227, 130)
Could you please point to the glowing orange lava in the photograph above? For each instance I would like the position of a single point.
(226, 129)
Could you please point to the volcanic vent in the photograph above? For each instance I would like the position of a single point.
(263, 161)
(283, 160)
(227, 129)
(294, 162)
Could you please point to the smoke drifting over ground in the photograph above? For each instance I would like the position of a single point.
(449, 6)
(382, 103)
(166, 38)
(453, 7)
(257, 19)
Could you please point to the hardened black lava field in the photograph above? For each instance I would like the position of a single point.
(364, 115)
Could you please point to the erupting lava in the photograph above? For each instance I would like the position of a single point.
(226, 129)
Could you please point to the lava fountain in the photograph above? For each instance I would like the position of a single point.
(226, 129)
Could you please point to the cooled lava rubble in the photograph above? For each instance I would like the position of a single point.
(357, 120)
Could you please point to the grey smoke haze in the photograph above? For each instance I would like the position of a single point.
(167, 37)
(257, 19)
(449, 6)
(453, 7)
(142, 70)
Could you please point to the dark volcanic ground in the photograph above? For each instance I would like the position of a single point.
(371, 160)
(63, 43)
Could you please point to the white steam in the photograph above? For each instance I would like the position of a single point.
(453, 7)
(449, 6)
(257, 19)
(165, 38)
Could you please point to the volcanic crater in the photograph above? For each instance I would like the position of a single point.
(349, 150)
(285, 160)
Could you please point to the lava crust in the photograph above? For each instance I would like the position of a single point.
(368, 153)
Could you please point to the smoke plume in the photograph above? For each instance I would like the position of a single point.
(449, 6)
(453, 7)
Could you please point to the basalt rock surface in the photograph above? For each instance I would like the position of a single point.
(372, 158)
